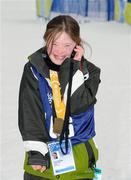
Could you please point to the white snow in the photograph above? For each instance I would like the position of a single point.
(22, 34)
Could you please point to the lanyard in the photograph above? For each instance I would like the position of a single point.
(65, 130)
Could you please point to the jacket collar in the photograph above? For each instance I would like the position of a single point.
(37, 60)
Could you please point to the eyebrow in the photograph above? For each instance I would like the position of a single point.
(69, 43)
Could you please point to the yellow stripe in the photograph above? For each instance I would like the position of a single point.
(58, 103)
(48, 5)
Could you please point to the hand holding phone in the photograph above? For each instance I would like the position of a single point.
(77, 53)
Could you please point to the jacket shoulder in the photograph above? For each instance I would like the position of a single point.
(90, 66)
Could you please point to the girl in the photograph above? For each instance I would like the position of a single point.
(56, 102)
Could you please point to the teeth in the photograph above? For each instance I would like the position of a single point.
(60, 57)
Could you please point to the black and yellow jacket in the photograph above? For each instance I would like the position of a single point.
(36, 128)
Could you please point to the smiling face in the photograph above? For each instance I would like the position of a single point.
(61, 36)
(61, 48)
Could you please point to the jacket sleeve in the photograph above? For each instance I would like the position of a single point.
(85, 94)
(31, 118)
(36, 158)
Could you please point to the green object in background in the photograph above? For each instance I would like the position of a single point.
(117, 10)
(43, 8)
(128, 13)
(38, 7)
(47, 7)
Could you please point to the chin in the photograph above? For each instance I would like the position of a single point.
(59, 62)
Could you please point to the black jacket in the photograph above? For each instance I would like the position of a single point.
(31, 115)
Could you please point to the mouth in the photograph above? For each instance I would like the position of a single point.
(59, 58)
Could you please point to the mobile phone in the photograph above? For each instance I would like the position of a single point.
(73, 54)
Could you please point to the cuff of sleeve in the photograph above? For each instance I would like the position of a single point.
(36, 158)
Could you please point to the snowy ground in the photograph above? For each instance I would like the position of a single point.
(22, 34)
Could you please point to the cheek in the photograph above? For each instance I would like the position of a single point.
(49, 49)
(70, 51)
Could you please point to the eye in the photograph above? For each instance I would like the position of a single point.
(67, 45)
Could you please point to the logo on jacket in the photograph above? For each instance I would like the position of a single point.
(49, 95)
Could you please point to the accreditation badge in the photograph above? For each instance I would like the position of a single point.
(62, 163)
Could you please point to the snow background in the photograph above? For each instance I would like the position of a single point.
(21, 34)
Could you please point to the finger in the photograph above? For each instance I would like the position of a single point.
(79, 50)
(78, 56)
(43, 169)
(39, 167)
(36, 167)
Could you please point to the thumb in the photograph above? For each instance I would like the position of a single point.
(43, 169)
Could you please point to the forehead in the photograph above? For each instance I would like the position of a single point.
(63, 37)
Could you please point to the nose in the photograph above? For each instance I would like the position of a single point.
(60, 50)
